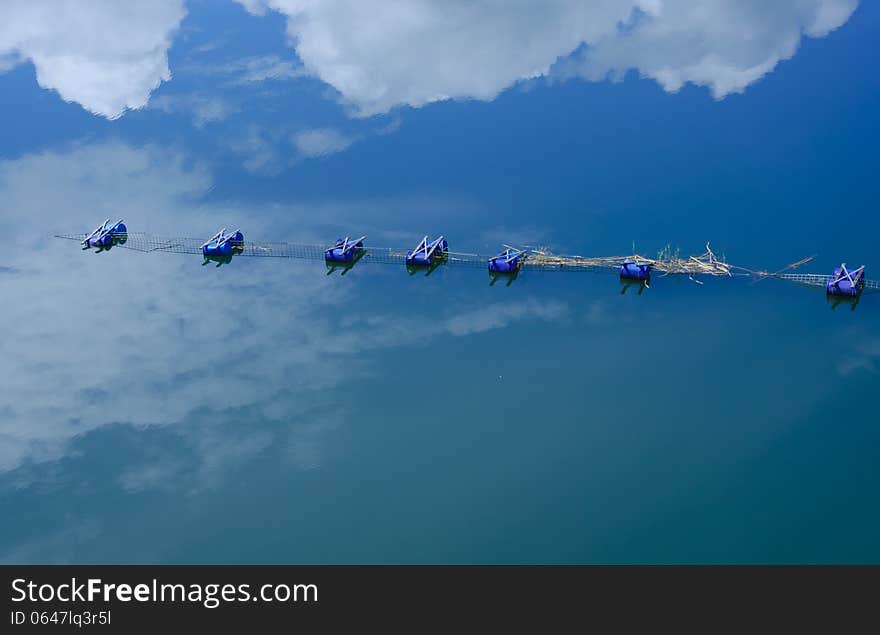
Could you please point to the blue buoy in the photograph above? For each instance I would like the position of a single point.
(120, 233)
(508, 261)
(632, 270)
(345, 250)
(426, 252)
(106, 235)
(846, 283)
(216, 248)
(222, 244)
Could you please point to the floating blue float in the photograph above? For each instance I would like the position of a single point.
(632, 270)
(106, 235)
(345, 250)
(846, 283)
(425, 253)
(508, 261)
(222, 244)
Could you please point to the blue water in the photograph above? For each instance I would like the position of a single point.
(154, 410)
(439, 419)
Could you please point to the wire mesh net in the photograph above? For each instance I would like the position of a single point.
(666, 263)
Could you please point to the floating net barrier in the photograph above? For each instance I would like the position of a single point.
(148, 243)
(818, 280)
(534, 259)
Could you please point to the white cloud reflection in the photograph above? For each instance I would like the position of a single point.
(386, 53)
(203, 109)
(109, 56)
(864, 357)
(105, 55)
(321, 142)
(145, 340)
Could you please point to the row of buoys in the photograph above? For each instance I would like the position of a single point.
(509, 261)
(429, 253)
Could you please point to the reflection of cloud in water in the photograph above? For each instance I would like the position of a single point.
(106, 56)
(56, 546)
(864, 357)
(146, 340)
(208, 446)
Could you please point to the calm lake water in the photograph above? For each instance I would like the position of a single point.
(153, 410)
(267, 412)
